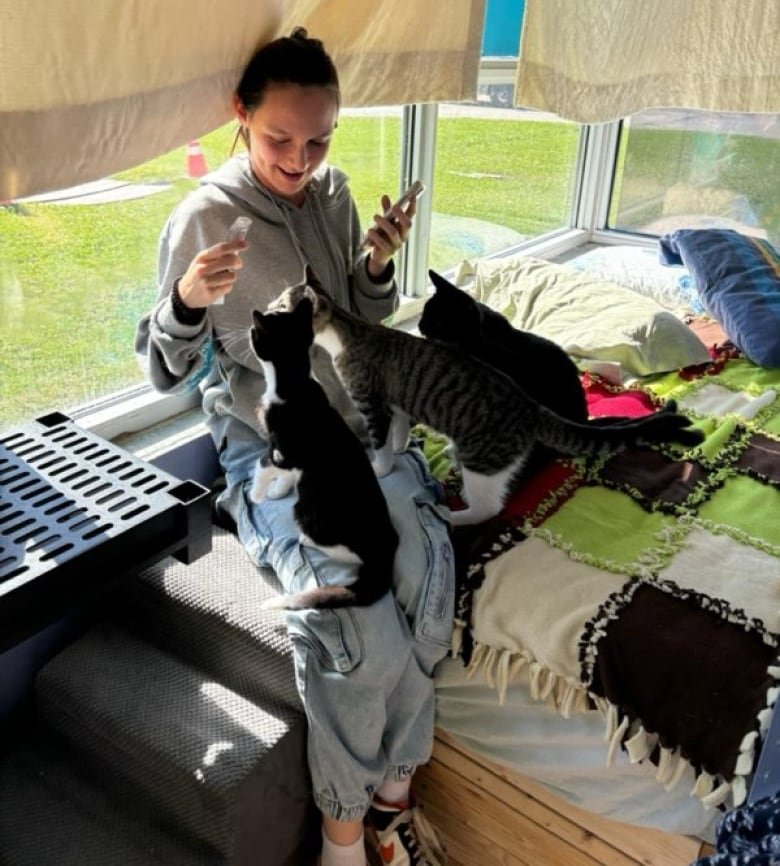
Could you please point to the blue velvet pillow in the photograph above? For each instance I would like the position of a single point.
(738, 281)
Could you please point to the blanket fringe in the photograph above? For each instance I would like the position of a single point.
(746, 758)
(717, 797)
(671, 767)
(500, 667)
(677, 773)
(456, 642)
(616, 739)
(640, 745)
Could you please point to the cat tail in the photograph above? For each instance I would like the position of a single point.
(319, 597)
(363, 592)
(666, 425)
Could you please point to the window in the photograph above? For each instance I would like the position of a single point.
(502, 177)
(366, 146)
(700, 169)
(77, 269)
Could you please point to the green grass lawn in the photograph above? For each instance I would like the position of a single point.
(74, 279)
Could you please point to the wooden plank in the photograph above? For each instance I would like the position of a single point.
(477, 828)
(480, 781)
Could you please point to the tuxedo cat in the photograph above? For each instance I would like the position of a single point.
(340, 507)
(393, 376)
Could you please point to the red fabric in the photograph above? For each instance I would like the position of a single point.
(604, 400)
(530, 495)
(557, 476)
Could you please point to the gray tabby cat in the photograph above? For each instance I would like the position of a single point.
(393, 376)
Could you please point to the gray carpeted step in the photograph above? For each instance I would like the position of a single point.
(52, 813)
(208, 613)
(213, 764)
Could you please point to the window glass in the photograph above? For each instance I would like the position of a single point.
(77, 270)
(78, 266)
(500, 49)
(503, 24)
(367, 147)
(502, 176)
(694, 169)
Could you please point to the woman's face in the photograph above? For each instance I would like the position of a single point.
(289, 136)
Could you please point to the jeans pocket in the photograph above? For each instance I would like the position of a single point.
(332, 635)
(436, 605)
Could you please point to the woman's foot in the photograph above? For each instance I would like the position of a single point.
(398, 834)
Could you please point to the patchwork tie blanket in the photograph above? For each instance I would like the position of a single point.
(645, 585)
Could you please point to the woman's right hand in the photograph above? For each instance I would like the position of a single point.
(211, 274)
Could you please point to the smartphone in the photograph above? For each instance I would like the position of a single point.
(414, 191)
(237, 232)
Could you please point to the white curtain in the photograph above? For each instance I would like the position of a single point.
(598, 60)
(90, 87)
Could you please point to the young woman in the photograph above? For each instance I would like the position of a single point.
(364, 673)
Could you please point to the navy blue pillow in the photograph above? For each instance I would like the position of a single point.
(738, 281)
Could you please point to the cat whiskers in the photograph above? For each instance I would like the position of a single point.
(234, 338)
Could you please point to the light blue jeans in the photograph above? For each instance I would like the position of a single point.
(364, 674)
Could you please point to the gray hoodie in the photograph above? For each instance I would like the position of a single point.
(215, 355)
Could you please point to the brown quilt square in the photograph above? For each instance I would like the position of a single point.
(686, 672)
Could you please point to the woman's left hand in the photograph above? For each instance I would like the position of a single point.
(388, 234)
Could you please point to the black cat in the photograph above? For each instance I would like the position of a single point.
(537, 365)
(340, 507)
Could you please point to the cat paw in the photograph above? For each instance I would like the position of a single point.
(280, 486)
(271, 483)
(471, 515)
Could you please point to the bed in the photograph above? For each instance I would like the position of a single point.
(617, 625)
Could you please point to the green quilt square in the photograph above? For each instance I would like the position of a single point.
(746, 509)
(772, 424)
(607, 528)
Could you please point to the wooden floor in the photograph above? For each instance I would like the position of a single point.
(487, 816)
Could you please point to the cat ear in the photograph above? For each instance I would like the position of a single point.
(312, 280)
(439, 283)
(309, 294)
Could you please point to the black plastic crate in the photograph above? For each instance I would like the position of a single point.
(77, 513)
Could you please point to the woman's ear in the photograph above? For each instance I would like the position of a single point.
(239, 109)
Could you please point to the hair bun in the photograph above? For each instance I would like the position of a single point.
(299, 33)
